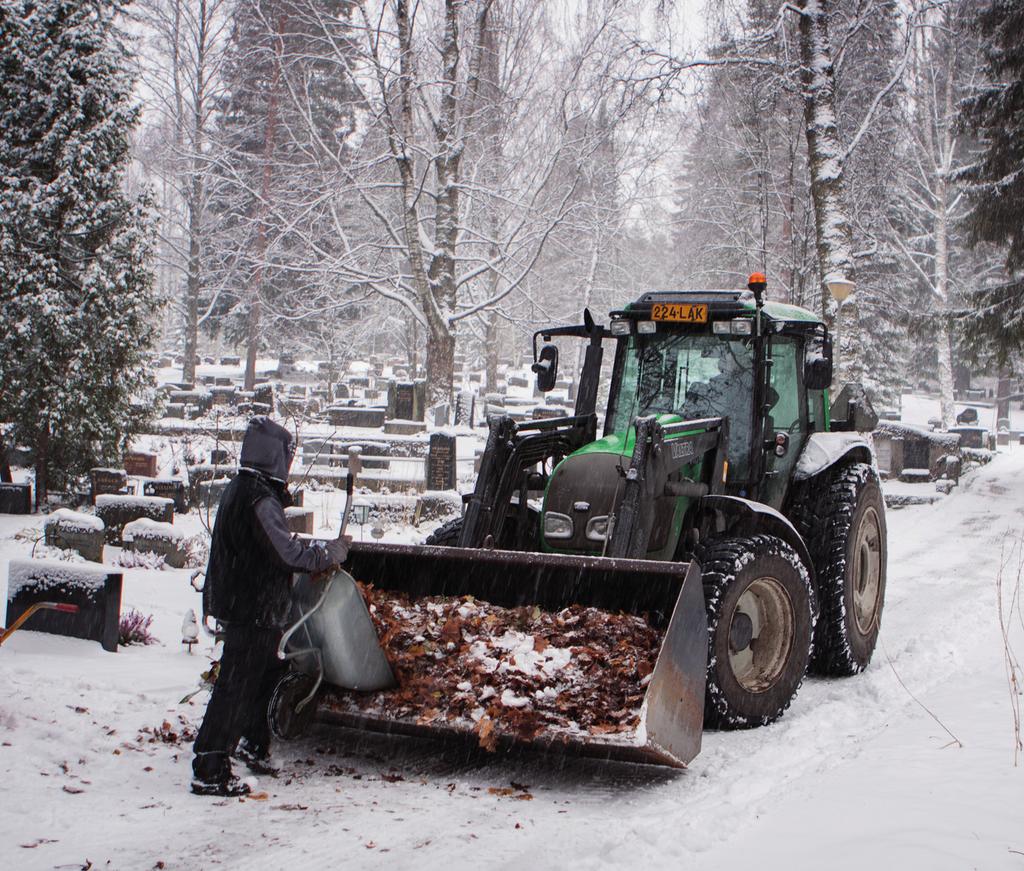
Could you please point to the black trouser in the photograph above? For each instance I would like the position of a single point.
(249, 670)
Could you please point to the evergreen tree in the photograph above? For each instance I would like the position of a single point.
(76, 294)
(996, 183)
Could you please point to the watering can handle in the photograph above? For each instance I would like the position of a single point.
(350, 486)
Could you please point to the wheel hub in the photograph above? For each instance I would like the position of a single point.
(741, 632)
(866, 572)
(761, 635)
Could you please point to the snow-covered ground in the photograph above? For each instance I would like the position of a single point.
(857, 774)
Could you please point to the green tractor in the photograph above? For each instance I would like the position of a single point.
(726, 500)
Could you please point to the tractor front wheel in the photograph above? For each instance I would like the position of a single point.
(760, 609)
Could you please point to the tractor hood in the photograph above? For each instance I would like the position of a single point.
(586, 488)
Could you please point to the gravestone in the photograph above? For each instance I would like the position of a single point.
(223, 381)
(341, 391)
(150, 536)
(167, 488)
(441, 462)
(465, 408)
(198, 398)
(230, 360)
(104, 481)
(440, 414)
(218, 457)
(548, 412)
(407, 400)
(174, 410)
(264, 394)
(354, 415)
(970, 436)
(223, 395)
(95, 591)
(299, 520)
(15, 498)
(139, 464)
(118, 511)
(402, 405)
(72, 530)
(210, 492)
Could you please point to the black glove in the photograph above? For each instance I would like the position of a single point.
(337, 550)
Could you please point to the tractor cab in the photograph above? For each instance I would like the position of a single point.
(723, 389)
(763, 368)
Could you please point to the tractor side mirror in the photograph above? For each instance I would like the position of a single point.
(852, 410)
(546, 367)
(818, 362)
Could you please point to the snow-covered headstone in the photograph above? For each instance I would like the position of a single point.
(95, 591)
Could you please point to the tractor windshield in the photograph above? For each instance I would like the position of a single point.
(693, 375)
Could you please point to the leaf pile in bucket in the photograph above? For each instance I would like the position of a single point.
(513, 671)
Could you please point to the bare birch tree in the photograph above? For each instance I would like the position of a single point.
(185, 42)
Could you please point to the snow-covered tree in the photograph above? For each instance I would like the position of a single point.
(996, 180)
(76, 297)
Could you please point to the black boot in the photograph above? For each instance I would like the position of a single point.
(212, 776)
(257, 758)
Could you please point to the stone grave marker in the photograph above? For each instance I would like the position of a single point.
(104, 481)
(441, 462)
(168, 488)
(139, 464)
(72, 530)
(117, 511)
(300, 520)
(465, 408)
(407, 400)
(96, 592)
(150, 536)
(15, 498)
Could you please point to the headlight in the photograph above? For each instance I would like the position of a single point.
(597, 528)
(557, 525)
(735, 327)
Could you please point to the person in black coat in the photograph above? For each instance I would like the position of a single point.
(248, 590)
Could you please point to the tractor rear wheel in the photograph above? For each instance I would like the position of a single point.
(760, 608)
(849, 552)
(446, 535)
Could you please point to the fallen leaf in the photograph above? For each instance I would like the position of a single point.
(485, 733)
(258, 796)
(72, 790)
(37, 842)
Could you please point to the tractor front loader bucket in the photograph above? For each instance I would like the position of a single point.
(668, 594)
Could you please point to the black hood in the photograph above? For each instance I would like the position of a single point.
(267, 448)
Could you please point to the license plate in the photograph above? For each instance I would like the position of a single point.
(686, 313)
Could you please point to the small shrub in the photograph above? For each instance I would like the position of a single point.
(197, 551)
(141, 559)
(133, 628)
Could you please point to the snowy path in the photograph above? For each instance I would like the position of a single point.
(856, 771)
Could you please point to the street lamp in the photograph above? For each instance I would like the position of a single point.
(840, 287)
